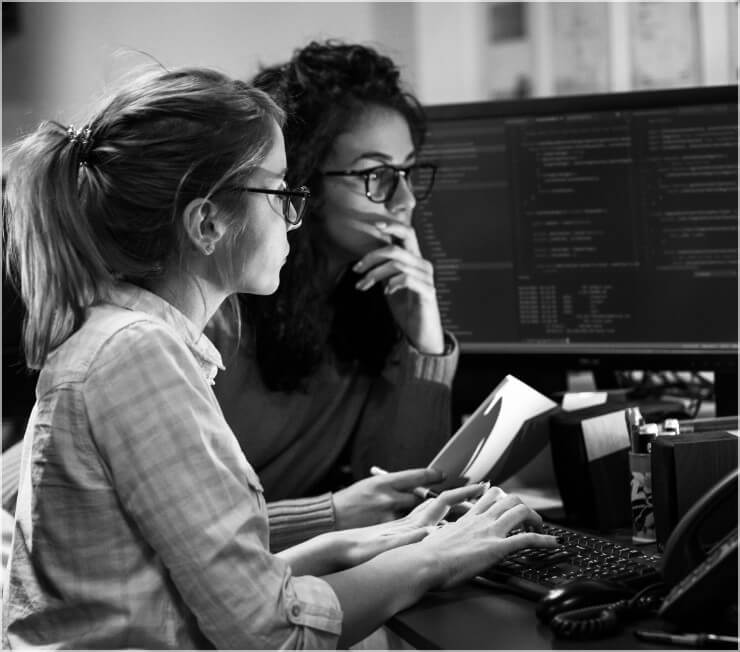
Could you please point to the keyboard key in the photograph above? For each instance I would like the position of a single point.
(536, 570)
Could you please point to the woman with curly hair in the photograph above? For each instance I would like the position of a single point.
(347, 365)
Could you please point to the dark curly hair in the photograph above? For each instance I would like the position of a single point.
(323, 88)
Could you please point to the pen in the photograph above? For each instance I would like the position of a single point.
(421, 492)
(634, 419)
(694, 640)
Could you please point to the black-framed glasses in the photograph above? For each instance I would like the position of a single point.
(292, 202)
(381, 181)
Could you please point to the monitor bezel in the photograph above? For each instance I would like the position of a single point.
(695, 95)
(720, 357)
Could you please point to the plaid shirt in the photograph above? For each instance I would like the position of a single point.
(139, 522)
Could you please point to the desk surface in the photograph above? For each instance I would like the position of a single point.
(483, 618)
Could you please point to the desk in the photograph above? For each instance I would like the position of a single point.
(482, 618)
(487, 618)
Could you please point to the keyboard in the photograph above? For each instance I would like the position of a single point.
(532, 572)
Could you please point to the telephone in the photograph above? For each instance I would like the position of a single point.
(700, 559)
(699, 570)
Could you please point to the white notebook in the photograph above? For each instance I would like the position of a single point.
(491, 444)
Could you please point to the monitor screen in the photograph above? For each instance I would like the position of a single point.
(588, 226)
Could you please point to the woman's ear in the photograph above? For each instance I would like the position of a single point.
(204, 224)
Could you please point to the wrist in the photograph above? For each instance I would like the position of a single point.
(430, 343)
(431, 348)
(337, 505)
(423, 568)
(322, 554)
(426, 333)
(333, 551)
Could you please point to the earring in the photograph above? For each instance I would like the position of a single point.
(208, 249)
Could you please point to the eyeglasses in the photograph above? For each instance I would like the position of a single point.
(381, 181)
(292, 202)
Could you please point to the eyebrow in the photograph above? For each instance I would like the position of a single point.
(380, 156)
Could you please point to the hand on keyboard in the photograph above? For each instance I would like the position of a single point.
(481, 536)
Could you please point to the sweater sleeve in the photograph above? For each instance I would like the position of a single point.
(407, 416)
(296, 520)
(420, 366)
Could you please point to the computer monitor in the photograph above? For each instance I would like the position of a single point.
(591, 231)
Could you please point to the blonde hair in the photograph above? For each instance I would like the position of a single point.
(86, 208)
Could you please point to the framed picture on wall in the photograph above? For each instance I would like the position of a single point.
(507, 21)
(580, 47)
(664, 44)
(508, 51)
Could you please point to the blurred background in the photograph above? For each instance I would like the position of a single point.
(58, 56)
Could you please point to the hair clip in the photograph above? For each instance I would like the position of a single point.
(83, 138)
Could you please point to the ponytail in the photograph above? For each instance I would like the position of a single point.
(84, 209)
(51, 253)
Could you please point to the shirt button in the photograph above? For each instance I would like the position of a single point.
(295, 610)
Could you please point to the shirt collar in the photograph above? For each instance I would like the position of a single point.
(133, 297)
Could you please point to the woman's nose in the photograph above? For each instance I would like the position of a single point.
(402, 200)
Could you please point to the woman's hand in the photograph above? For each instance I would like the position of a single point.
(381, 498)
(362, 544)
(408, 281)
(335, 551)
(481, 537)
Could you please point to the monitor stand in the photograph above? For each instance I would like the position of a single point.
(725, 393)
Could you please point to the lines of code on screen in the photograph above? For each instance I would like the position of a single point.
(586, 228)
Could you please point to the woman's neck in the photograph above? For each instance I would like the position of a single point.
(193, 296)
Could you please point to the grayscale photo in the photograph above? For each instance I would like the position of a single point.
(370, 325)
